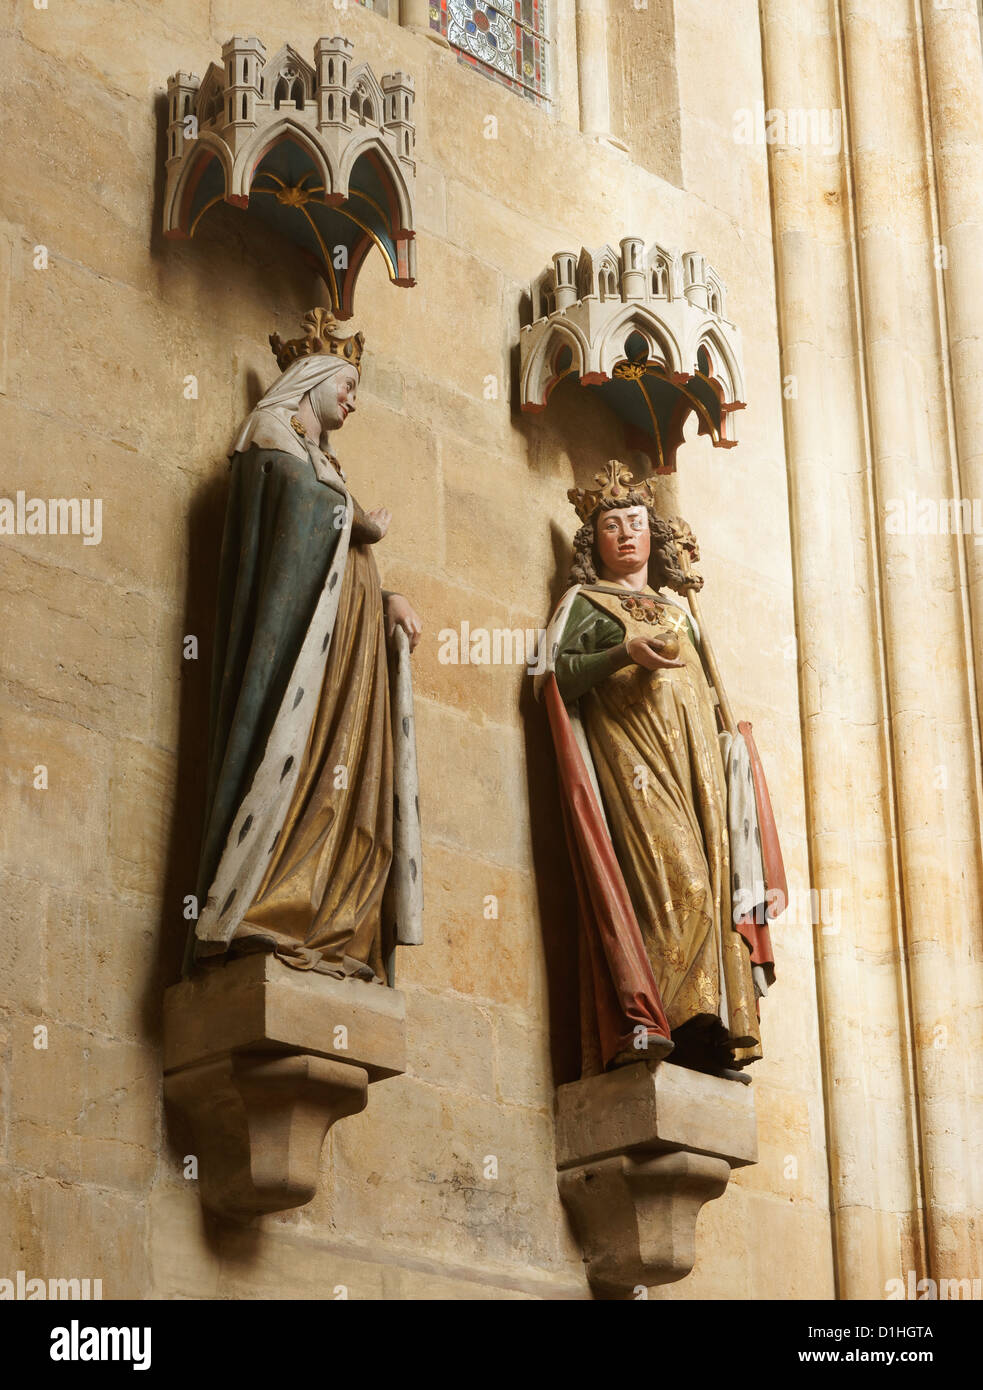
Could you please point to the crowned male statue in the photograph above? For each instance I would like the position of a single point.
(668, 821)
(311, 839)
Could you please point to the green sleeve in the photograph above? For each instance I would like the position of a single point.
(591, 648)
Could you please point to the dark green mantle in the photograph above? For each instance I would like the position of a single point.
(282, 527)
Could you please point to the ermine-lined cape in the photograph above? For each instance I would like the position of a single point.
(278, 603)
(625, 992)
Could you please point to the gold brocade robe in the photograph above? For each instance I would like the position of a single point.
(653, 739)
(320, 900)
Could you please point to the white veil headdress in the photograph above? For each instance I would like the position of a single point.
(268, 426)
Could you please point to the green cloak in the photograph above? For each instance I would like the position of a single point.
(283, 554)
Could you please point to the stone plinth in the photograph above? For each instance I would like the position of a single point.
(260, 1060)
(639, 1151)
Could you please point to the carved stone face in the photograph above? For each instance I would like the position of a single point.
(623, 541)
(334, 400)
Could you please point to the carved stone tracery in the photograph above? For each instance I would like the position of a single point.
(648, 330)
(323, 151)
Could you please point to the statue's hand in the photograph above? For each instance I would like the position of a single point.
(401, 613)
(645, 651)
(380, 517)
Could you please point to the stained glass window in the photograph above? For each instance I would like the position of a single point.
(508, 41)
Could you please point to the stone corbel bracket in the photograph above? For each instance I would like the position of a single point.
(260, 1061)
(323, 151)
(639, 1152)
(647, 330)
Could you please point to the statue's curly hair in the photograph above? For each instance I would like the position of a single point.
(664, 567)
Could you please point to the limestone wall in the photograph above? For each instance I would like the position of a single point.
(96, 351)
(880, 329)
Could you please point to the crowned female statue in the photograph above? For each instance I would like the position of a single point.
(674, 948)
(311, 844)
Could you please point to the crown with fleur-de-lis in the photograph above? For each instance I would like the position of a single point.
(319, 337)
(615, 482)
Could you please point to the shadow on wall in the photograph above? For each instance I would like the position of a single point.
(233, 261)
(235, 274)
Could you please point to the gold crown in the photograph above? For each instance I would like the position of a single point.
(318, 337)
(615, 483)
